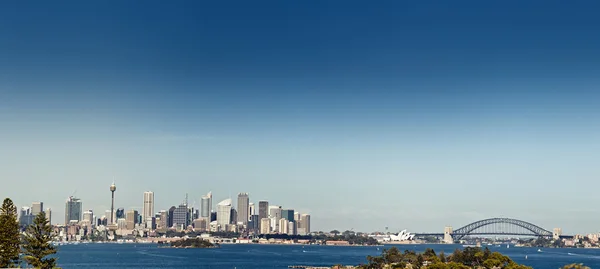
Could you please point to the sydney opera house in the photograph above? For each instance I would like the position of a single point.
(403, 237)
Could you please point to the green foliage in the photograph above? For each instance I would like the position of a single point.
(37, 243)
(192, 243)
(9, 235)
(460, 259)
(575, 266)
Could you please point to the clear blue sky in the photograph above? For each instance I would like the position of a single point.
(406, 114)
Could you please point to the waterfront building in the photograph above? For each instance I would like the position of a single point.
(73, 210)
(224, 213)
(288, 214)
(265, 226)
(243, 206)
(283, 226)
(181, 217)
(131, 219)
(148, 209)
(37, 208)
(263, 207)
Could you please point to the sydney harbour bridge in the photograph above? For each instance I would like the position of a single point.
(496, 227)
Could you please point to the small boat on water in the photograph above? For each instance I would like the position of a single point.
(539, 250)
(526, 257)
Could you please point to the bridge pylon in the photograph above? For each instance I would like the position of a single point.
(448, 235)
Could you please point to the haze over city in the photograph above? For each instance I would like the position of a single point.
(403, 115)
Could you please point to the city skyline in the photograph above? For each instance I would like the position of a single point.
(402, 114)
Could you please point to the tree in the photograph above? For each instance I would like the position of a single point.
(37, 243)
(335, 232)
(442, 257)
(9, 235)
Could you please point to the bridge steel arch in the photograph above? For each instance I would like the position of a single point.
(470, 228)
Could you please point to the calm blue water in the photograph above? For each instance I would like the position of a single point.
(277, 256)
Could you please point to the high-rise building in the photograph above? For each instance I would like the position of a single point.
(251, 211)
(224, 213)
(233, 217)
(283, 226)
(288, 214)
(243, 205)
(37, 208)
(206, 205)
(120, 214)
(49, 215)
(206, 208)
(131, 219)
(275, 212)
(296, 216)
(254, 223)
(163, 220)
(73, 210)
(265, 226)
(263, 207)
(148, 210)
(25, 217)
(171, 215)
(292, 228)
(88, 217)
(304, 223)
(181, 216)
(275, 216)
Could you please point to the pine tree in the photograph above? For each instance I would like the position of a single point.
(9, 235)
(37, 243)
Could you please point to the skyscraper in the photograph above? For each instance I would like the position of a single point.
(88, 217)
(181, 216)
(288, 214)
(242, 208)
(131, 218)
(251, 210)
(224, 213)
(206, 208)
(275, 216)
(73, 210)
(49, 215)
(171, 215)
(120, 214)
(265, 226)
(263, 207)
(148, 211)
(304, 224)
(37, 208)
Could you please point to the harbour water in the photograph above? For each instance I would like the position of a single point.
(254, 256)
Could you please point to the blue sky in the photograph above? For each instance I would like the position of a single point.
(398, 114)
